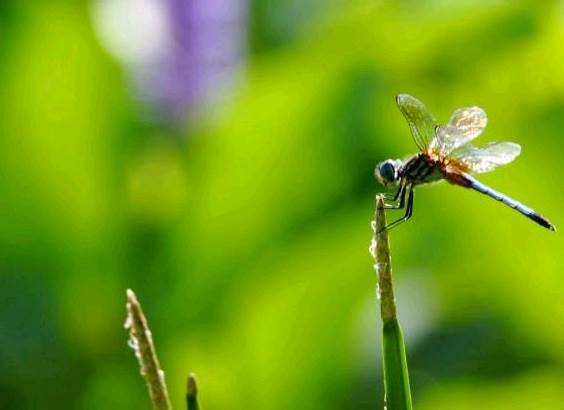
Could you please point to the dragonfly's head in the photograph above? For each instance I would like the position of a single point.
(387, 172)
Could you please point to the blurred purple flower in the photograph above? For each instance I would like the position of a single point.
(184, 55)
(207, 51)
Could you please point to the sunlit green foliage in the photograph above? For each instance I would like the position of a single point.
(248, 240)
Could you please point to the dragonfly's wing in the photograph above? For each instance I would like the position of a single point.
(419, 118)
(488, 157)
(464, 125)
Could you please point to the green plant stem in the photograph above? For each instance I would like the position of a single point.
(396, 376)
(192, 393)
(141, 341)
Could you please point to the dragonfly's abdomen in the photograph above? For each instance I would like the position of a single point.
(470, 182)
(421, 170)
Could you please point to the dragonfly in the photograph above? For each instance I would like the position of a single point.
(446, 153)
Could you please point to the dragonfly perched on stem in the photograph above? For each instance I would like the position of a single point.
(447, 154)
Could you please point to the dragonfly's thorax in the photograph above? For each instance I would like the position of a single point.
(422, 169)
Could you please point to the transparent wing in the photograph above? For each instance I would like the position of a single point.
(419, 118)
(488, 157)
(464, 125)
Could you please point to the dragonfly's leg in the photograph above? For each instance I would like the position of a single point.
(394, 197)
(401, 194)
(408, 212)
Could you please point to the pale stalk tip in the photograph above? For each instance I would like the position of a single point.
(131, 297)
(140, 339)
(380, 201)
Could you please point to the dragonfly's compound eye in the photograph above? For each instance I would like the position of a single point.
(386, 172)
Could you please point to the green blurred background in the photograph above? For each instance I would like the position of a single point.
(243, 223)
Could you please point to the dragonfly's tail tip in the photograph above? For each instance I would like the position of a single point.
(550, 226)
(542, 221)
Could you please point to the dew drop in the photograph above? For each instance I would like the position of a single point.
(133, 343)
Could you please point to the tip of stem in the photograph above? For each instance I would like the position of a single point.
(192, 393)
(380, 217)
(379, 201)
(131, 297)
(192, 385)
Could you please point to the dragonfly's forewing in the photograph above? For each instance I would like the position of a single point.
(464, 125)
(488, 157)
(419, 118)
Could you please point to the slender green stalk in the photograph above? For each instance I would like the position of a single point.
(141, 340)
(192, 393)
(396, 376)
